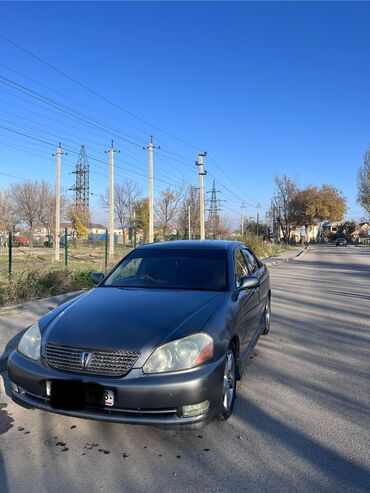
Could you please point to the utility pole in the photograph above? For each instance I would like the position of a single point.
(189, 223)
(111, 201)
(151, 193)
(57, 205)
(243, 219)
(258, 207)
(202, 173)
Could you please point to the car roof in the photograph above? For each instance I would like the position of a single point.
(195, 244)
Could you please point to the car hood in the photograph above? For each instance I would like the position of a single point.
(130, 319)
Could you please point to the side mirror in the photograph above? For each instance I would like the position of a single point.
(248, 282)
(96, 277)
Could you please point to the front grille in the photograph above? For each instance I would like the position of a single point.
(105, 362)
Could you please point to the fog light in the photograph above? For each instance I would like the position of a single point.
(15, 387)
(48, 387)
(195, 409)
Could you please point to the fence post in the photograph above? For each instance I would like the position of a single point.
(65, 247)
(106, 250)
(10, 254)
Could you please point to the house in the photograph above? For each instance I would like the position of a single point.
(362, 233)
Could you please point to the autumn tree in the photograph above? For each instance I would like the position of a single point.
(313, 205)
(80, 219)
(363, 183)
(167, 207)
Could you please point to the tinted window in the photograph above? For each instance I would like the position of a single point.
(241, 268)
(251, 261)
(172, 269)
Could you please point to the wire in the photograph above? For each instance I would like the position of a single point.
(96, 93)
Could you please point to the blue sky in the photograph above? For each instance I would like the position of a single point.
(265, 88)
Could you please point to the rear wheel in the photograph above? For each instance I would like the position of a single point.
(229, 385)
(267, 322)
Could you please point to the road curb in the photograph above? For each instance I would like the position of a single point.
(299, 255)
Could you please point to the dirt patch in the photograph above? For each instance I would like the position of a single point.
(6, 421)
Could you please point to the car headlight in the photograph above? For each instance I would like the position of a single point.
(30, 344)
(182, 354)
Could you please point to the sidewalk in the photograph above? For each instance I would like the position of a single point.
(287, 256)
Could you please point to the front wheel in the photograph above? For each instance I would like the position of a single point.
(229, 385)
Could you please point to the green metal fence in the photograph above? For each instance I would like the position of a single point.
(22, 253)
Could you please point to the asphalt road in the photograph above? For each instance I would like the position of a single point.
(301, 422)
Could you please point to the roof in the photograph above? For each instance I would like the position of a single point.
(202, 244)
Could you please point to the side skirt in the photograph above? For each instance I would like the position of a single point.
(242, 362)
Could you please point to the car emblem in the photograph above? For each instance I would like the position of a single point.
(85, 360)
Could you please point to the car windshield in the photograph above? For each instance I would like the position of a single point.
(170, 268)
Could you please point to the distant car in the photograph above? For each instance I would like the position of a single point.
(341, 242)
(161, 340)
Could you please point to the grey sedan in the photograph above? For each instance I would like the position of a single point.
(161, 340)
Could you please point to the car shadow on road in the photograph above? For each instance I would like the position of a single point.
(3, 478)
(338, 469)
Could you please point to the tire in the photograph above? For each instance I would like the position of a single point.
(267, 322)
(229, 385)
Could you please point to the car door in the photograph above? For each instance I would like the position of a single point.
(256, 268)
(247, 303)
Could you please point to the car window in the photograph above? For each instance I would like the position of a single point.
(172, 269)
(251, 261)
(241, 268)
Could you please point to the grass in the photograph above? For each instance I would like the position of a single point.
(35, 275)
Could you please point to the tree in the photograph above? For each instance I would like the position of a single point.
(313, 205)
(80, 219)
(141, 212)
(8, 218)
(47, 207)
(125, 197)
(167, 207)
(284, 205)
(190, 199)
(28, 201)
(333, 204)
(363, 183)
(132, 193)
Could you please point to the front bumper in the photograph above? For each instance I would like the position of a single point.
(155, 400)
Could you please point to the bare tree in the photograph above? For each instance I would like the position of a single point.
(8, 218)
(125, 197)
(47, 207)
(363, 183)
(29, 204)
(167, 207)
(284, 203)
(190, 200)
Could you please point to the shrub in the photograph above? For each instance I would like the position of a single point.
(35, 284)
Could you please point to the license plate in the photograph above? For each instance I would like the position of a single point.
(108, 398)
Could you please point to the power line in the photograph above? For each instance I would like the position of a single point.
(96, 93)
